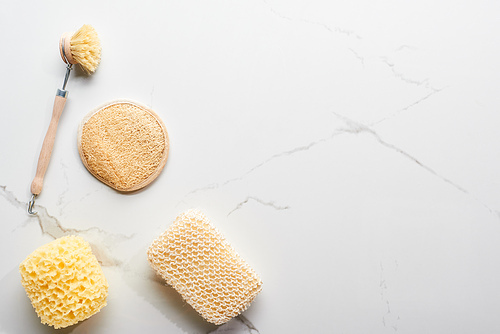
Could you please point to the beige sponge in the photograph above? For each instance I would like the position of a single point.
(123, 144)
(196, 260)
(64, 282)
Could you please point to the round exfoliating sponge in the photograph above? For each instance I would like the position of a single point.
(123, 144)
(64, 282)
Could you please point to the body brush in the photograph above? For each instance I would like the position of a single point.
(83, 48)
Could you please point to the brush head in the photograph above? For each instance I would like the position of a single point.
(83, 48)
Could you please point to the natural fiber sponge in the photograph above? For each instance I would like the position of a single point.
(64, 282)
(123, 144)
(196, 260)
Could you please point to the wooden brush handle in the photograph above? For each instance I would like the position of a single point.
(48, 143)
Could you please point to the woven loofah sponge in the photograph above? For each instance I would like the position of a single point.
(124, 145)
(196, 260)
(64, 282)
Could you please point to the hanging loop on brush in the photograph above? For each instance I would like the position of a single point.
(31, 204)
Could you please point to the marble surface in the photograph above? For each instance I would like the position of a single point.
(347, 149)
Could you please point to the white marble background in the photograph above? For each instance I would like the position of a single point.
(347, 149)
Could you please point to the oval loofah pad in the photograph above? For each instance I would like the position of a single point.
(123, 144)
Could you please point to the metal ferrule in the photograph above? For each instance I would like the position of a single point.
(62, 93)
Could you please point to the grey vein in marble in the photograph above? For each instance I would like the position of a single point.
(405, 47)
(350, 33)
(404, 78)
(237, 325)
(388, 315)
(411, 105)
(358, 56)
(351, 127)
(337, 30)
(258, 200)
(355, 127)
(99, 239)
(334, 30)
(247, 323)
(10, 197)
(259, 165)
(64, 169)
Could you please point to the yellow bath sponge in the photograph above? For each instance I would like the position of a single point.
(196, 260)
(64, 282)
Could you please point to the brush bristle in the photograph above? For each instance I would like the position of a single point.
(86, 48)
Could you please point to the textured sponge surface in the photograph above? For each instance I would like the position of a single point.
(195, 259)
(64, 282)
(123, 144)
